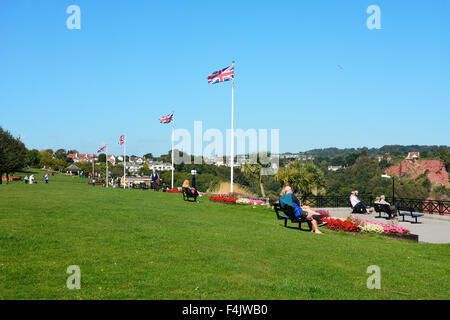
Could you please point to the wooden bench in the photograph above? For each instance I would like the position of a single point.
(187, 195)
(288, 213)
(407, 211)
(384, 208)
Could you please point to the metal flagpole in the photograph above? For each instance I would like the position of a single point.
(124, 161)
(232, 133)
(106, 178)
(173, 137)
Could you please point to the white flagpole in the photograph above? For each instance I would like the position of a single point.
(173, 138)
(124, 161)
(232, 133)
(106, 178)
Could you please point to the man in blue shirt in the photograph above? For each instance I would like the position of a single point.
(154, 177)
(288, 198)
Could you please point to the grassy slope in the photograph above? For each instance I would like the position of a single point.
(133, 244)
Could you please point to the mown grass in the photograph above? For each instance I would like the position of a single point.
(132, 244)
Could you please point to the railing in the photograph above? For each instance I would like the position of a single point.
(418, 205)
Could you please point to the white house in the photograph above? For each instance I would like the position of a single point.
(160, 166)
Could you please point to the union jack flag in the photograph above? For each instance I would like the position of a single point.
(122, 139)
(167, 119)
(102, 149)
(223, 75)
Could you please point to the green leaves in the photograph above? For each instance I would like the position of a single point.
(303, 177)
(12, 153)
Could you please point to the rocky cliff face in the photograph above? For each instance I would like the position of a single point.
(436, 170)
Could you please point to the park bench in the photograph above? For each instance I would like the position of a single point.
(384, 208)
(288, 213)
(187, 195)
(356, 210)
(407, 211)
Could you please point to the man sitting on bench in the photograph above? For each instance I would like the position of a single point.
(288, 198)
(393, 208)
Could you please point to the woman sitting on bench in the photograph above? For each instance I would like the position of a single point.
(287, 197)
(358, 205)
(186, 185)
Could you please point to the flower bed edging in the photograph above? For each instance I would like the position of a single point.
(370, 229)
(409, 237)
(223, 199)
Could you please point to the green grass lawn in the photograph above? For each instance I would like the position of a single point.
(133, 244)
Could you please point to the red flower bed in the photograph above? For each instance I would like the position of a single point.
(223, 199)
(174, 191)
(337, 224)
(11, 178)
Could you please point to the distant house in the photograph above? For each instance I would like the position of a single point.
(386, 157)
(160, 166)
(139, 160)
(111, 159)
(132, 167)
(413, 156)
(334, 168)
(78, 157)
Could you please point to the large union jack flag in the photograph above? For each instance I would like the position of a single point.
(102, 149)
(166, 119)
(223, 75)
(122, 139)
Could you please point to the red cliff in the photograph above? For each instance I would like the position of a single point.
(436, 170)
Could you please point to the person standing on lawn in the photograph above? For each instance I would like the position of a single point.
(154, 177)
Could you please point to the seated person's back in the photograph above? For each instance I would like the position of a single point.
(289, 199)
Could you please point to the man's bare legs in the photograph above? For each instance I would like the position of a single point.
(311, 213)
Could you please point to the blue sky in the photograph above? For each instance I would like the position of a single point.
(134, 61)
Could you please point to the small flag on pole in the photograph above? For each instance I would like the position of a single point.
(167, 119)
(122, 139)
(223, 75)
(102, 149)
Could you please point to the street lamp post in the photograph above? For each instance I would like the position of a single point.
(193, 173)
(393, 186)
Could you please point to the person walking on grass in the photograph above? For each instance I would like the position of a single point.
(287, 197)
(46, 178)
(26, 179)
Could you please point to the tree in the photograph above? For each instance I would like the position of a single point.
(102, 157)
(61, 154)
(304, 178)
(145, 170)
(148, 156)
(33, 158)
(12, 154)
(45, 154)
(252, 172)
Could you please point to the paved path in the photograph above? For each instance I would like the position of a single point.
(431, 228)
